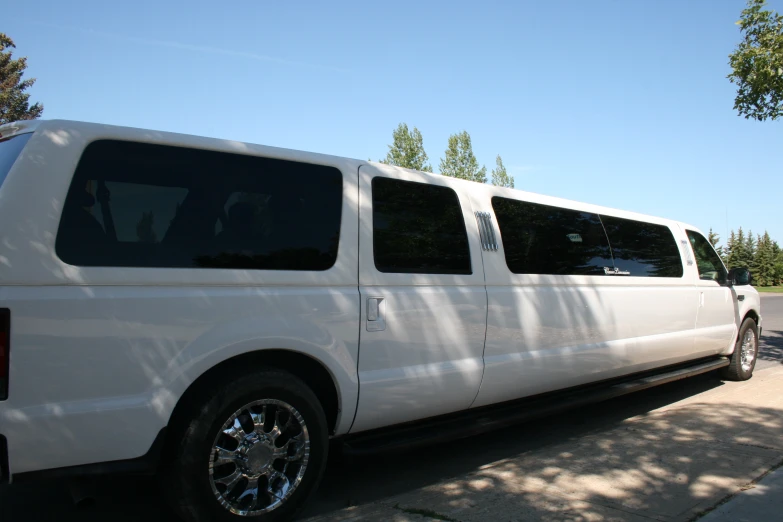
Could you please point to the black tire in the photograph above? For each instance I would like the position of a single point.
(734, 371)
(186, 479)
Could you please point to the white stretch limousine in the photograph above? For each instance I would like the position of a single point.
(217, 311)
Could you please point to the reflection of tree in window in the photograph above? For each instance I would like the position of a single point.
(707, 261)
(544, 239)
(644, 249)
(418, 228)
(170, 205)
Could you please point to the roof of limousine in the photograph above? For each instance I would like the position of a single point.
(58, 129)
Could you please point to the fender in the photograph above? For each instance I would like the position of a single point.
(747, 303)
(230, 340)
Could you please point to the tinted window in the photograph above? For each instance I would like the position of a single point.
(135, 204)
(9, 151)
(707, 260)
(643, 249)
(418, 228)
(542, 239)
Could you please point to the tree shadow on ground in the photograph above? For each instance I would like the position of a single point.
(350, 482)
(585, 465)
(588, 464)
(771, 346)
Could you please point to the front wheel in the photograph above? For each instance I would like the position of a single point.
(254, 450)
(743, 360)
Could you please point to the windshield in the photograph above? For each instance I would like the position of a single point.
(9, 151)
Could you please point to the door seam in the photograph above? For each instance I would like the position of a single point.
(486, 315)
(358, 291)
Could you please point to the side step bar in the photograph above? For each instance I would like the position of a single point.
(472, 422)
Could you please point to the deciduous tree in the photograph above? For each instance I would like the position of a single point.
(757, 63)
(407, 150)
(500, 177)
(459, 160)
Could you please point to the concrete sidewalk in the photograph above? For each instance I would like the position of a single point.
(672, 464)
(760, 501)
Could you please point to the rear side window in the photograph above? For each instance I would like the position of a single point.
(143, 205)
(542, 239)
(9, 151)
(643, 249)
(418, 228)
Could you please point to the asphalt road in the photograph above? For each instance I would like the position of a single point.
(355, 482)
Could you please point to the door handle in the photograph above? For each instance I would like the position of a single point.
(375, 314)
(701, 299)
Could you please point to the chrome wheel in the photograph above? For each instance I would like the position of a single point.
(259, 457)
(748, 350)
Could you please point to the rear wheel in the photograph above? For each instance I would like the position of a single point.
(743, 360)
(255, 449)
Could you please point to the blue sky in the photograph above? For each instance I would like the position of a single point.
(617, 103)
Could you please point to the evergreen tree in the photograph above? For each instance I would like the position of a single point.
(407, 150)
(14, 101)
(459, 161)
(760, 254)
(750, 252)
(737, 256)
(777, 262)
(729, 253)
(764, 262)
(714, 239)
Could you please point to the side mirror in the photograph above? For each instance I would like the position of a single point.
(739, 276)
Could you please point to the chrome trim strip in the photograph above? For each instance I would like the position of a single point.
(482, 231)
(493, 238)
(486, 231)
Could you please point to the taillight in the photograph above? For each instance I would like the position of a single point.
(5, 339)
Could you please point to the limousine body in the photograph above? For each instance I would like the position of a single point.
(217, 311)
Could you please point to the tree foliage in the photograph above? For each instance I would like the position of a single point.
(14, 101)
(757, 63)
(764, 261)
(407, 150)
(714, 239)
(760, 254)
(750, 251)
(777, 263)
(500, 177)
(459, 160)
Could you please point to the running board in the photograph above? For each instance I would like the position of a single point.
(471, 422)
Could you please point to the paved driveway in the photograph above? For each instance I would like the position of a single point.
(668, 453)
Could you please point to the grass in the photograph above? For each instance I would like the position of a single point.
(778, 289)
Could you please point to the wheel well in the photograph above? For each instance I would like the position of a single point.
(753, 315)
(310, 371)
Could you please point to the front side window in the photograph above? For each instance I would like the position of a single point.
(707, 260)
(142, 205)
(642, 249)
(543, 239)
(418, 229)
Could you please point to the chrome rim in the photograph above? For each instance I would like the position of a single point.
(748, 351)
(259, 457)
